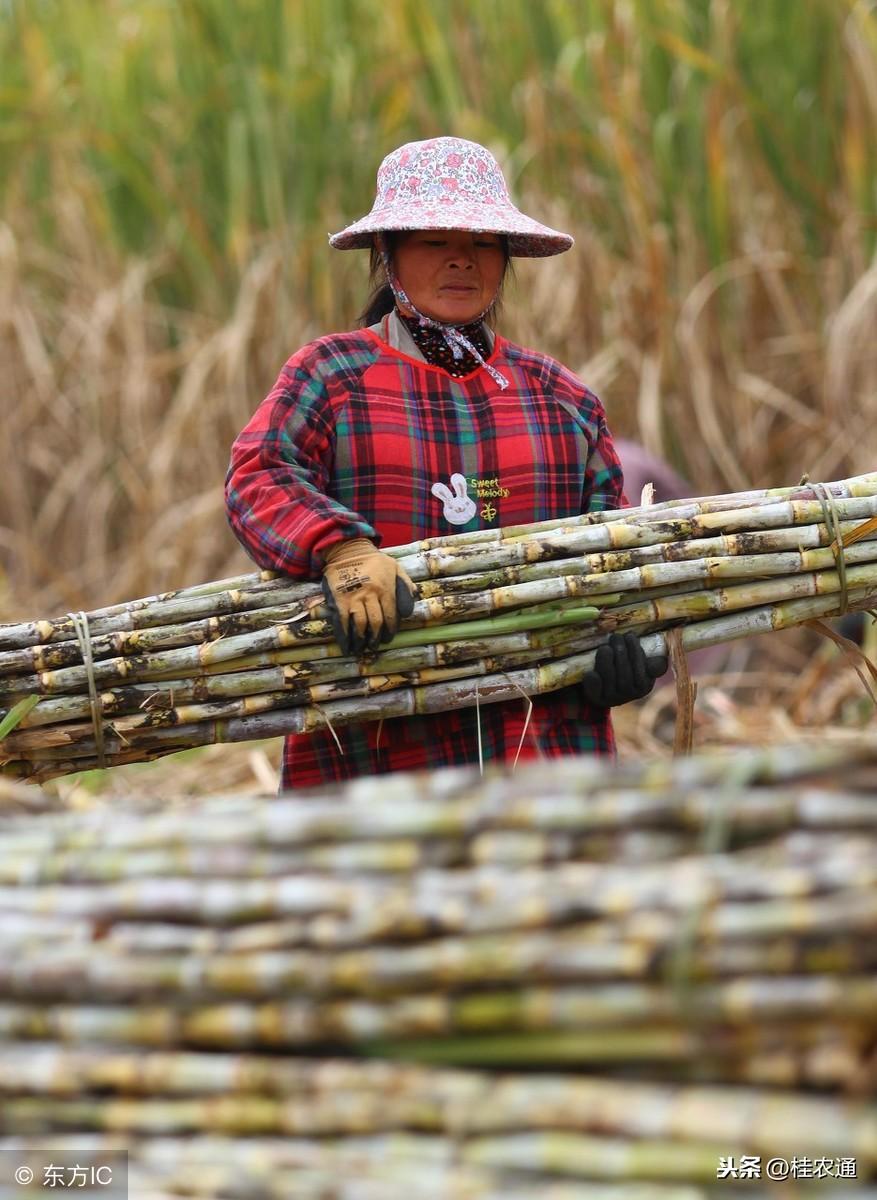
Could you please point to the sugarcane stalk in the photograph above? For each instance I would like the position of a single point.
(348, 678)
(395, 856)
(608, 1022)
(448, 558)
(407, 1031)
(380, 858)
(403, 837)
(472, 1104)
(859, 486)
(494, 899)
(557, 955)
(290, 670)
(195, 659)
(287, 1023)
(567, 1152)
(18, 635)
(173, 608)
(760, 542)
(662, 793)
(387, 856)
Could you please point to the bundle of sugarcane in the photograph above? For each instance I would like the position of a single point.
(500, 614)
(678, 915)
(245, 1126)
(687, 946)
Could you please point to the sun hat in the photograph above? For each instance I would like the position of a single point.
(449, 183)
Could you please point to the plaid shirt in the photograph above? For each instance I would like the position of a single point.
(360, 439)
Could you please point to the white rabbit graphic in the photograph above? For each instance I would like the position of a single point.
(458, 508)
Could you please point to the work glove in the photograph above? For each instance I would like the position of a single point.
(366, 593)
(622, 672)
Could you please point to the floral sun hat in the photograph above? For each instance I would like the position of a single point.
(449, 183)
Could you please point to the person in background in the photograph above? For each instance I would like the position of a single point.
(641, 467)
(421, 423)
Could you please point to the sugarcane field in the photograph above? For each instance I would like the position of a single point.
(438, 600)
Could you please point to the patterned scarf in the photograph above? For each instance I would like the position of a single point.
(434, 347)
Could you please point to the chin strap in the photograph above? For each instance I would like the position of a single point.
(457, 341)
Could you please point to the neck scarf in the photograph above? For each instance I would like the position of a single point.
(456, 341)
(435, 349)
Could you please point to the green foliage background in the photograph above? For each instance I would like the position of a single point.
(169, 170)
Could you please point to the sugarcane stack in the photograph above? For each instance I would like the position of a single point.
(500, 614)
(569, 979)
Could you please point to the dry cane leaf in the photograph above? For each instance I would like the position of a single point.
(856, 535)
(855, 656)
(686, 691)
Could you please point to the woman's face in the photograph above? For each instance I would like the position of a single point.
(449, 274)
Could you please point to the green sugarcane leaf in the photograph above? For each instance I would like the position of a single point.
(17, 714)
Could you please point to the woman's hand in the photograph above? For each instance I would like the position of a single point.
(366, 593)
(622, 672)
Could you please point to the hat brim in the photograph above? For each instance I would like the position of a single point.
(526, 238)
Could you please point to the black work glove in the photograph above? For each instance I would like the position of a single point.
(622, 672)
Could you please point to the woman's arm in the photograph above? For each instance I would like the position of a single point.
(604, 481)
(277, 489)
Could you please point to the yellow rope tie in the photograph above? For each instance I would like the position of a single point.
(832, 525)
(80, 624)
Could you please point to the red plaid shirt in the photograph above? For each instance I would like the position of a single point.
(359, 439)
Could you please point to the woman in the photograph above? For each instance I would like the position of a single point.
(421, 423)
